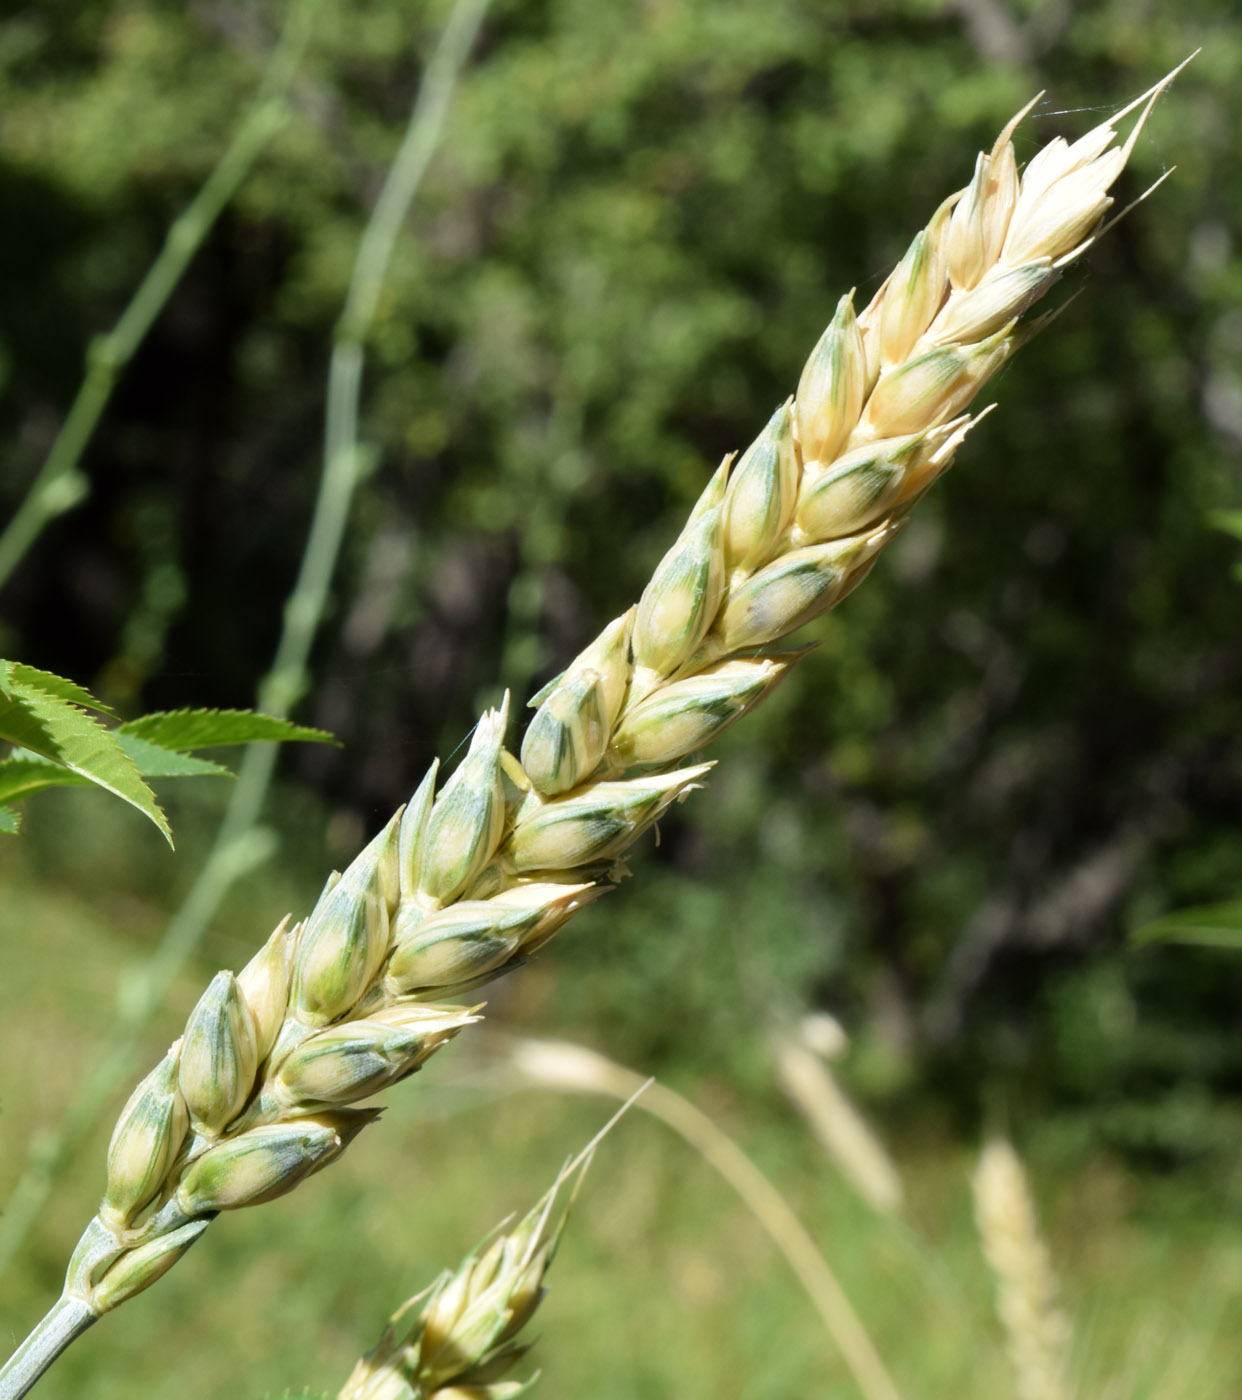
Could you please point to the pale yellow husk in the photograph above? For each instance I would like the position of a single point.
(259, 1093)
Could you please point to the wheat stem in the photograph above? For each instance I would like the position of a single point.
(65, 1322)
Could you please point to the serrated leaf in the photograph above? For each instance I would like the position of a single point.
(1206, 926)
(10, 821)
(19, 777)
(53, 684)
(36, 719)
(155, 761)
(206, 729)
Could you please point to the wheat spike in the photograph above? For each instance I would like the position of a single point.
(463, 1336)
(261, 1091)
(1037, 1331)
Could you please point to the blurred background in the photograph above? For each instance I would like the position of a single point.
(1018, 743)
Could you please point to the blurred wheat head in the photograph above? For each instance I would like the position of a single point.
(1036, 1329)
(264, 1086)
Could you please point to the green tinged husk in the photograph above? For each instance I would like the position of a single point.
(146, 1139)
(934, 387)
(456, 945)
(265, 1162)
(346, 937)
(139, 1268)
(569, 732)
(413, 831)
(596, 825)
(866, 483)
(798, 587)
(467, 820)
(682, 717)
(761, 494)
(678, 605)
(349, 1062)
(832, 388)
(219, 1056)
(264, 984)
(914, 293)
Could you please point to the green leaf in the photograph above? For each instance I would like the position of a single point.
(205, 729)
(155, 761)
(19, 777)
(1206, 926)
(10, 821)
(42, 721)
(52, 684)
(24, 772)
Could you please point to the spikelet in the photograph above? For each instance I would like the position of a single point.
(467, 881)
(763, 489)
(264, 985)
(147, 1137)
(832, 388)
(680, 602)
(467, 820)
(219, 1056)
(569, 732)
(346, 937)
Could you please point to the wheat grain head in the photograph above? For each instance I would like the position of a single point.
(456, 1339)
(261, 1090)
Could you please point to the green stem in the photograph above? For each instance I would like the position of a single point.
(240, 843)
(59, 485)
(65, 1323)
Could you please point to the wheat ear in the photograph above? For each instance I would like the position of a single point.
(463, 1335)
(461, 885)
(1037, 1331)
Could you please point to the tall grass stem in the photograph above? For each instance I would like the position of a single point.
(59, 485)
(573, 1068)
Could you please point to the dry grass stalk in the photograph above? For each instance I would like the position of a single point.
(1036, 1329)
(261, 1091)
(559, 1064)
(845, 1135)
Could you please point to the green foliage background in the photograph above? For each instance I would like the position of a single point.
(1020, 740)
